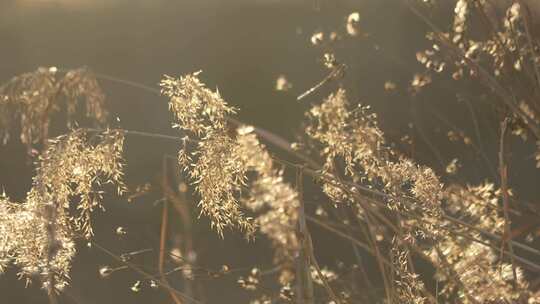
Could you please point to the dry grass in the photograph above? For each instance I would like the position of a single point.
(366, 192)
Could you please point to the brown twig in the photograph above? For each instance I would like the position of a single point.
(163, 239)
(304, 281)
(307, 244)
(378, 255)
(182, 209)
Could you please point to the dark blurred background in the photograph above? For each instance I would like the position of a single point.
(242, 47)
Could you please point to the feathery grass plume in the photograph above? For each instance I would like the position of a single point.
(477, 205)
(409, 288)
(217, 171)
(222, 164)
(353, 138)
(355, 152)
(505, 59)
(81, 85)
(33, 98)
(38, 236)
(486, 278)
(269, 191)
(482, 275)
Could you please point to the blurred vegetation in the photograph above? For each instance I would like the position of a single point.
(328, 152)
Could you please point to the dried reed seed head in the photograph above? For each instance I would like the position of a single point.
(196, 108)
(32, 99)
(220, 165)
(485, 279)
(38, 235)
(409, 287)
(506, 50)
(215, 172)
(468, 260)
(80, 85)
(269, 190)
(478, 205)
(218, 176)
(354, 138)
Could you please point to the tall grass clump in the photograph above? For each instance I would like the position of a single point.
(431, 236)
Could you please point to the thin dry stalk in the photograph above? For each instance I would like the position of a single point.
(181, 207)
(303, 273)
(379, 257)
(336, 72)
(162, 250)
(503, 167)
(145, 274)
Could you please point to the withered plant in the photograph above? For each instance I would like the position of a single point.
(433, 239)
